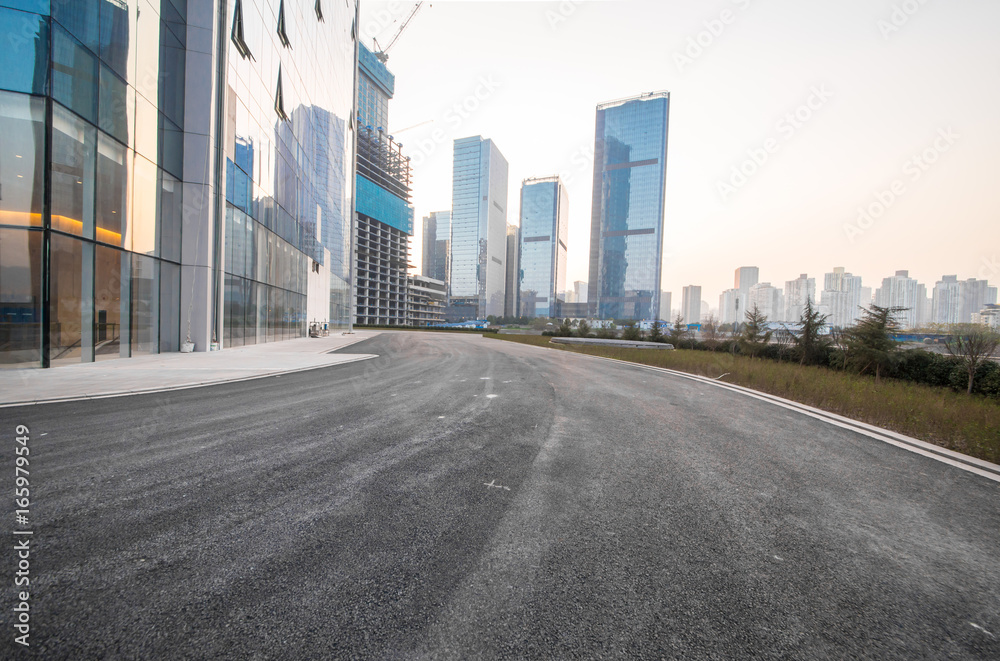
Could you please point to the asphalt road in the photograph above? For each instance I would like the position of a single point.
(462, 497)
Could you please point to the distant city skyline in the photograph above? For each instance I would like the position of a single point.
(860, 166)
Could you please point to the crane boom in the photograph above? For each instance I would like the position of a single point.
(383, 54)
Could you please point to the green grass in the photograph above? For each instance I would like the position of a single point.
(954, 420)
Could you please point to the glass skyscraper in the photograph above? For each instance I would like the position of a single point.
(164, 176)
(544, 228)
(437, 245)
(626, 235)
(478, 229)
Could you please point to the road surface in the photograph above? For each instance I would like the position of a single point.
(463, 497)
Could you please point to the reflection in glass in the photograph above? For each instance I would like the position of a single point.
(22, 154)
(107, 302)
(145, 197)
(170, 306)
(112, 180)
(66, 294)
(113, 105)
(145, 305)
(72, 179)
(24, 57)
(20, 297)
(171, 218)
(74, 75)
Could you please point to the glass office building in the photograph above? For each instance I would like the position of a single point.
(626, 237)
(437, 245)
(544, 228)
(163, 176)
(478, 230)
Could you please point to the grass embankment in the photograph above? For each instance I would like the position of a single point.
(954, 420)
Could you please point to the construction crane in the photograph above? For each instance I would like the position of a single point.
(383, 53)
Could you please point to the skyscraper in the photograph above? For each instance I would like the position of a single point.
(626, 235)
(733, 302)
(843, 297)
(544, 229)
(437, 245)
(478, 229)
(691, 304)
(665, 300)
(954, 301)
(770, 301)
(512, 288)
(148, 188)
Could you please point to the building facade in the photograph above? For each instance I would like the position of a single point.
(512, 287)
(770, 301)
(955, 301)
(437, 245)
(171, 170)
(478, 230)
(626, 234)
(691, 304)
(427, 300)
(843, 298)
(797, 292)
(543, 251)
(384, 211)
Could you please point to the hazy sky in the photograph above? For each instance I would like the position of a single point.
(841, 103)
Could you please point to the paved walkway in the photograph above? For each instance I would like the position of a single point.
(172, 371)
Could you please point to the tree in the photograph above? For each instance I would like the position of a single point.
(583, 328)
(655, 334)
(810, 346)
(607, 331)
(677, 332)
(973, 345)
(565, 329)
(784, 339)
(631, 332)
(710, 332)
(870, 346)
(755, 335)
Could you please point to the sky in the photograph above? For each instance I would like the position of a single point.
(803, 135)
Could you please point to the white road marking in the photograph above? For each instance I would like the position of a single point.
(982, 629)
(494, 485)
(484, 378)
(44, 434)
(440, 417)
(491, 396)
(779, 558)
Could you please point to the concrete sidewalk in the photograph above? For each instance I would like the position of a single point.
(173, 371)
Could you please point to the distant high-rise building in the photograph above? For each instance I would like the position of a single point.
(770, 301)
(733, 302)
(478, 229)
(626, 234)
(437, 245)
(512, 287)
(902, 291)
(544, 229)
(691, 304)
(580, 291)
(955, 301)
(797, 292)
(665, 301)
(843, 297)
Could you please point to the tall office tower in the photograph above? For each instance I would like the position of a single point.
(797, 292)
(119, 127)
(626, 232)
(382, 202)
(478, 229)
(843, 296)
(512, 287)
(733, 302)
(544, 228)
(580, 291)
(437, 245)
(770, 301)
(691, 304)
(665, 300)
(902, 291)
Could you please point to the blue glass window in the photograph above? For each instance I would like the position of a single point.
(24, 57)
(81, 18)
(74, 75)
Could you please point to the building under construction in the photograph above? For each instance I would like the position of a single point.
(384, 211)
